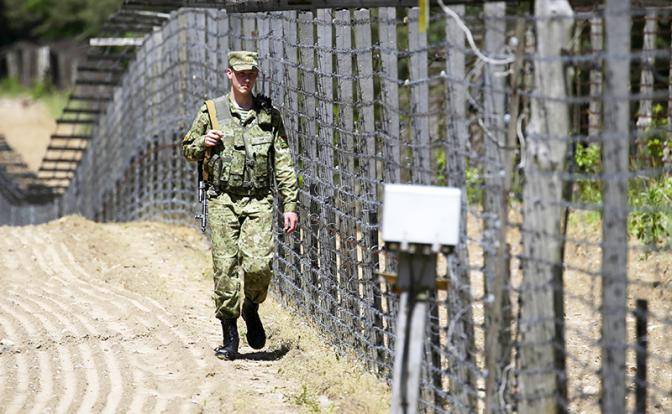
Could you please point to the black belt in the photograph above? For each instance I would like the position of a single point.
(245, 191)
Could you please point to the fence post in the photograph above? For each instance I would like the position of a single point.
(235, 31)
(460, 343)
(641, 332)
(368, 190)
(292, 127)
(387, 28)
(211, 66)
(309, 158)
(497, 307)
(387, 34)
(595, 105)
(264, 41)
(249, 33)
(615, 140)
(328, 252)
(546, 149)
(644, 115)
(346, 163)
(222, 54)
(417, 46)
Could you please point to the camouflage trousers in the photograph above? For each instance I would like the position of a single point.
(242, 238)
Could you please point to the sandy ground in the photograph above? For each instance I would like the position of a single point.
(118, 318)
(27, 126)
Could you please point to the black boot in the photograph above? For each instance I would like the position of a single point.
(229, 348)
(256, 336)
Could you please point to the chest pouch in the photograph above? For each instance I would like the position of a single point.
(261, 148)
(233, 160)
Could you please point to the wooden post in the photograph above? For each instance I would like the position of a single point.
(277, 74)
(495, 206)
(462, 384)
(595, 105)
(13, 64)
(641, 332)
(645, 114)
(346, 163)
(137, 186)
(264, 33)
(326, 165)
(387, 29)
(417, 45)
(42, 64)
(615, 140)
(212, 68)
(235, 31)
(292, 127)
(310, 224)
(390, 89)
(181, 45)
(249, 33)
(367, 163)
(539, 381)
(222, 51)
(516, 84)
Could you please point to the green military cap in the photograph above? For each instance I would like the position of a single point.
(243, 60)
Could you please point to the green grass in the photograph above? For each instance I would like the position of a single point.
(54, 99)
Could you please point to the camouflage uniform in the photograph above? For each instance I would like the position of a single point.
(240, 172)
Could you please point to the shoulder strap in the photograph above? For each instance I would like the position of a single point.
(212, 113)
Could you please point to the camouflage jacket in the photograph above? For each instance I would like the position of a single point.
(250, 153)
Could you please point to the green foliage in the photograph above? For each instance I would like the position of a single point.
(57, 19)
(307, 400)
(588, 160)
(652, 197)
(441, 178)
(652, 225)
(657, 146)
(475, 185)
(11, 87)
(474, 180)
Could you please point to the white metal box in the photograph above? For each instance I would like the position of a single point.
(421, 214)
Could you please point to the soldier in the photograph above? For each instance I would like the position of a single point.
(240, 160)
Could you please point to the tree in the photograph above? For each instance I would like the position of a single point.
(55, 19)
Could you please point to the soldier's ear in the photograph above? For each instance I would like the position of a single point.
(229, 72)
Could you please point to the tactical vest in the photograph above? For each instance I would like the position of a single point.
(241, 162)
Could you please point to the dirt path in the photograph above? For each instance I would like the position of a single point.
(27, 126)
(80, 331)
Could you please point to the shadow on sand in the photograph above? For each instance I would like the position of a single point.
(271, 355)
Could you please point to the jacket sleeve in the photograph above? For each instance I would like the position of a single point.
(284, 166)
(193, 144)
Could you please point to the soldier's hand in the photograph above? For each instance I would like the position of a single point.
(291, 220)
(212, 137)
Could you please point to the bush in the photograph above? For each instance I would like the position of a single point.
(588, 160)
(652, 222)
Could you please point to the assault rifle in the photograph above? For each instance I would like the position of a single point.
(202, 198)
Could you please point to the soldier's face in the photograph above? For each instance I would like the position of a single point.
(242, 80)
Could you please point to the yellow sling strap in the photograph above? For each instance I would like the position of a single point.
(212, 113)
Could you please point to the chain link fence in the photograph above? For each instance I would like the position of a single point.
(554, 122)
